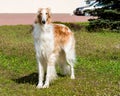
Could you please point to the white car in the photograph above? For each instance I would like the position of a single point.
(78, 11)
(97, 5)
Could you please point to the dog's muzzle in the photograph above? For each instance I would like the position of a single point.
(43, 21)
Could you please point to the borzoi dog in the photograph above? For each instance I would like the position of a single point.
(54, 43)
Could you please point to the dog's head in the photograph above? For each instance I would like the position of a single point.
(43, 16)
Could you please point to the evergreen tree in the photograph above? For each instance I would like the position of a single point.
(108, 17)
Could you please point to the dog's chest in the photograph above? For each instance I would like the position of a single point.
(44, 40)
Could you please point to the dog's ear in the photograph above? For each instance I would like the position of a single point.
(39, 10)
(49, 14)
(37, 15)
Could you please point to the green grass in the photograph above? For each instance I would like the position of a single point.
(97, 68)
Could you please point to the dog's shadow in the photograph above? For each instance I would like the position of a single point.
(31, 79)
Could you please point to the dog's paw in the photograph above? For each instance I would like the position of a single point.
(40, 86)
(72, 77)
(46, 86)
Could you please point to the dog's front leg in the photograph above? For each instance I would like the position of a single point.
(40, 74)
(51, 74)
(51, 71)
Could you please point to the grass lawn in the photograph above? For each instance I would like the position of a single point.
(97, 68)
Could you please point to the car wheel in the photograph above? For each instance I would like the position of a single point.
(87, 14)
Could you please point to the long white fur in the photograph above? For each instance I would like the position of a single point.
(44, 46)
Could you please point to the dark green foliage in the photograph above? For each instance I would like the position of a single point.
(97, 24)
(115, 26)
(108, 17)
(101, 24)
(108, 1)
(110, 14)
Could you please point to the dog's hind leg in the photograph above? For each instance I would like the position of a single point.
(70, 58)
(71, 63)
(64, 67)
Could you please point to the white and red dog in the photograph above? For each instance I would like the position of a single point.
(54, 43)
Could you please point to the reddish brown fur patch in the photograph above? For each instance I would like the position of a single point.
(48, 16)
(62, 35)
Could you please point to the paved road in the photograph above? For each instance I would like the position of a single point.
(15, 19)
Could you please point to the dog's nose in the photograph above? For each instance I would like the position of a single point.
(43, 22)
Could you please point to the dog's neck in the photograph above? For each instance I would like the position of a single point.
(45, 27)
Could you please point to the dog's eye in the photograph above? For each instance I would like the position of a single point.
(46, 13)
